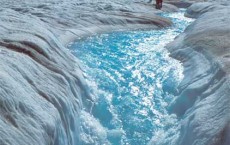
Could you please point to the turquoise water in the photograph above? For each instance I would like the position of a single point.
(133, 80)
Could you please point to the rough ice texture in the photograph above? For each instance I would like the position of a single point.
(42, 88)
(203, 101)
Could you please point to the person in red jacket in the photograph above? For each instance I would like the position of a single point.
(159, 4)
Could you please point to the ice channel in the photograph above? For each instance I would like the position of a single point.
(133, 79)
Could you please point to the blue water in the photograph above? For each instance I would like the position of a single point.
(133, 80)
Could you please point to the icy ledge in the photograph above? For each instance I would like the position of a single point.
(203, 102)
(42, 89)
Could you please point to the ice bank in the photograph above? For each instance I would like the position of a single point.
(203, 103)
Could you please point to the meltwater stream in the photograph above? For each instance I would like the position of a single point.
(133, 79)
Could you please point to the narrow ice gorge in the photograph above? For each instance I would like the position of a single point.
(43, 89)
(42, 86)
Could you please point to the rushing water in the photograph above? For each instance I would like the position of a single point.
(133, 79)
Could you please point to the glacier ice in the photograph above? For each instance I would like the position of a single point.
(43, 89)
(42, 86)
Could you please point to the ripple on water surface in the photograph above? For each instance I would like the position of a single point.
(133, 79)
